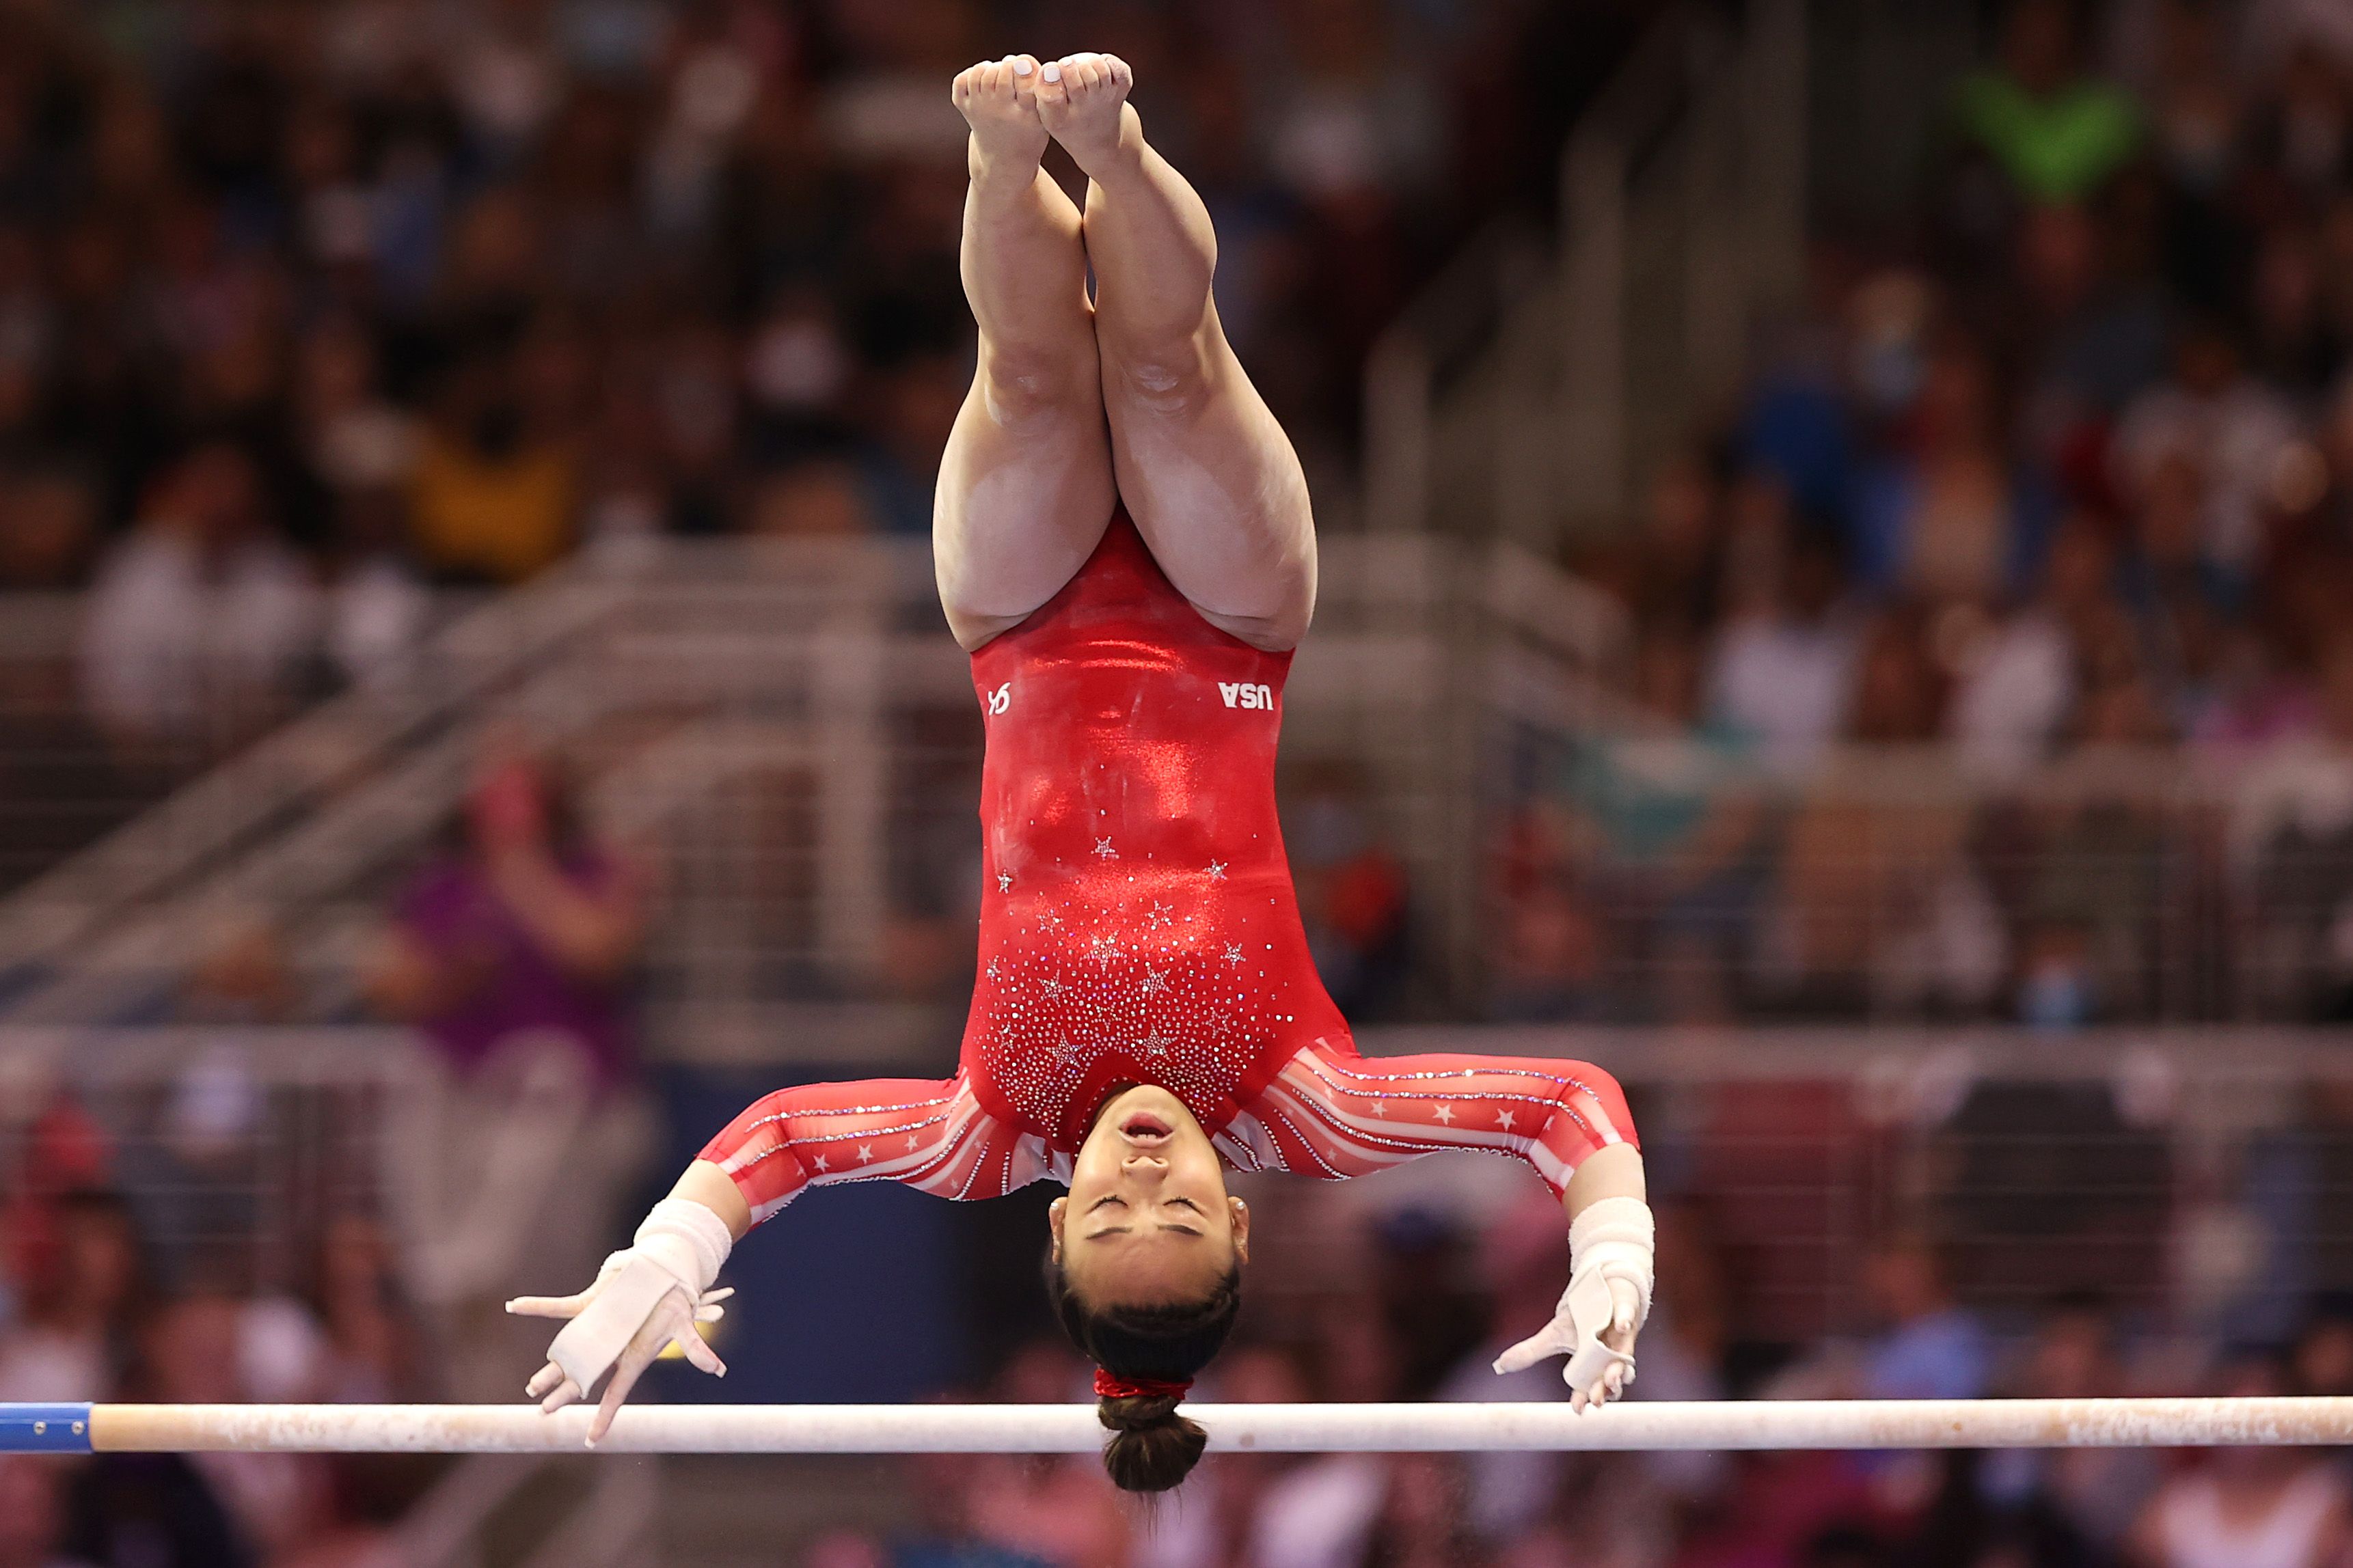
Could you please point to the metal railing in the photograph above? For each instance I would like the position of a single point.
(1905, 883)
(1529, 395)
(786, 735)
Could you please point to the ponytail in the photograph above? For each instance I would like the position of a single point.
(1145, 1356)
(1151, 1447)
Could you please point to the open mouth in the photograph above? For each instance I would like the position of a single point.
(1143, 1127)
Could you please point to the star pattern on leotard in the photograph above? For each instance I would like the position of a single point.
(1217, 871)
(1153, 981)
(1005, 881)
(1104, 850)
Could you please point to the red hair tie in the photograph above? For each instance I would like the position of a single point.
(1109, 1386)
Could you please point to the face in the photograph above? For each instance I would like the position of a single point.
(1148, 1220)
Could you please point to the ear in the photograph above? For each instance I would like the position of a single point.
(1241, 1213)
(1055, 1212)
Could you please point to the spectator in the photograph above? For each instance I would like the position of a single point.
(529, 929)
(1929, 1347)
(138, 1508)
(1352, 891)
(32, 1513)
(494, 500)
(71, 1340)
(199, 620)
(1946, 520)
(2075, 1504)
(2232, 427)
(1783, 672)
(2054, 132)
(47, 526)
(2279, 1508)
(513, 954)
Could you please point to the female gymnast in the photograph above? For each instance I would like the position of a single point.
(1123, 546)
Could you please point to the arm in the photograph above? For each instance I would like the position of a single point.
(1336, 1115)
(591, 931)
(929, 1134)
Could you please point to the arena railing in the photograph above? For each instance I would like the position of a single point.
(2188, 1179)
(1531, 390)
(785, 729)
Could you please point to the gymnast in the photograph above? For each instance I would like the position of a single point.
(1123, 546)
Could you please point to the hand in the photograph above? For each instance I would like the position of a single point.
(635, 1301)
(1601, 1355)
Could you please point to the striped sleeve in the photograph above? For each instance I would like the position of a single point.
(1333, 1114)
(929, 1134)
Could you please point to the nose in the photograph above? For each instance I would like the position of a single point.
(1149, 1169)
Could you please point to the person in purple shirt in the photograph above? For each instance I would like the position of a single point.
(529, 927)
(511, 954)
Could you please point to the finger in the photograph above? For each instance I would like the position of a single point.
(563, 1393)
(1529, 1352)
(699, 1354)
(633, 1362)
(1625, 1306)
(549, 1306)
(543, 1381)
(719, 1295)
(709, 1314)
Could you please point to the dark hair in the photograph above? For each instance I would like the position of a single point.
(1151, 1447)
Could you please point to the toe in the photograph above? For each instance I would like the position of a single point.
(1119, 72)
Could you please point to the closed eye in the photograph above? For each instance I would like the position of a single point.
(1107, 1199)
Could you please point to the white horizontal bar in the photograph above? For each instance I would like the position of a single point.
(1262, 1429)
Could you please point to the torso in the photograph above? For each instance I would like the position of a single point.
(1137, 919)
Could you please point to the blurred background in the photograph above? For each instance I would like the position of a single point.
(1838, 605)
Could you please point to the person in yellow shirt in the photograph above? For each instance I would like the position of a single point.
(488, 502)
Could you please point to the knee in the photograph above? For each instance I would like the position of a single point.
(1169, 375)
(1019, 388)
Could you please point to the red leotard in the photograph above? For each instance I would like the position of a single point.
(1138, 926)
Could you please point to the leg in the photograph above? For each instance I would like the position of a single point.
(1025, 486)
(1208, 474)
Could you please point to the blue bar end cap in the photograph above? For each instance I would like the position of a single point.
(44, 1430)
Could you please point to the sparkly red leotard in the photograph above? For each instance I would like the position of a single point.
(1138, 926)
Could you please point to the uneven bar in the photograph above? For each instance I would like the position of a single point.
(1260, 1429)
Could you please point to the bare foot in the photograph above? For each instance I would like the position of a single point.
(999, 99)
(1083, 99)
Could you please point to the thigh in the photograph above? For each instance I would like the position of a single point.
(1025, 493)
(1215, 488)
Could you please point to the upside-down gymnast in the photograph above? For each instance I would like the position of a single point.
(1123, 546)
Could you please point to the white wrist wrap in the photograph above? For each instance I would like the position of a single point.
(679, 1246)
(687, 1238)
(1614, 1239)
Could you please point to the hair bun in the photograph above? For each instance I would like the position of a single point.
(1134, 1415)
(1152, 1448)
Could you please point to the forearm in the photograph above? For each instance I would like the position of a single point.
(590, 934)
(715, 1189)
(1612, 1172)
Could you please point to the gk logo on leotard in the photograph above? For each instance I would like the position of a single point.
(1243, 694)
(1001, 699)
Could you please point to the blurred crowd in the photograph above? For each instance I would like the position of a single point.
(132, 1270)
(2049, 489)
(1428, 1310)
(307, 307)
